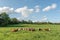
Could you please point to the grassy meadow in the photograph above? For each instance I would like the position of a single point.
(53, 34)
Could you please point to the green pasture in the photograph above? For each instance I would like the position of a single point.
(53, 34)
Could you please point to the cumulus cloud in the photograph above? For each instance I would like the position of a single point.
(24, 11)
(6, 9)
(53, 6)
(37, 8)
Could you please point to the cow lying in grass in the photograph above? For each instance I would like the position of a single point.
(27, 29)
(40, 29)
(31, 29)
(14, 30)
(19, 29)
(47, 29)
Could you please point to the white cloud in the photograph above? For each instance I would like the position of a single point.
(53, 6)
(37, 8)
(18, 18)
(34, 21)
(44, 18)
(6, 9)
(47, 8)
(24, 11)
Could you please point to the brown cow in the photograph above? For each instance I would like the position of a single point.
(26, 29)
(14, 30)
(19, 29)
(47, 29)
(31, 29)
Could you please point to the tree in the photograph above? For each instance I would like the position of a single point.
(4, 19)
(1, 21)
(29, 21)
(14, 21)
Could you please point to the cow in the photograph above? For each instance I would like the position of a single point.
(47, 29)
(40, 29)
(14, 30)
(31, 29)
(19, 29)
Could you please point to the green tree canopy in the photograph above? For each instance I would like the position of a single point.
(4, 19)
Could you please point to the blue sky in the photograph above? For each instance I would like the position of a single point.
(35, 10)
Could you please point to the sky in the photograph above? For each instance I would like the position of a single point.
(35, 10)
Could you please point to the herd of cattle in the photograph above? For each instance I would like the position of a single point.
(29, 29)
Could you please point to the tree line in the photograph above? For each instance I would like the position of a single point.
(6, 20)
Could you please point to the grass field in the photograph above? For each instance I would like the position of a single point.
(53, 34)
